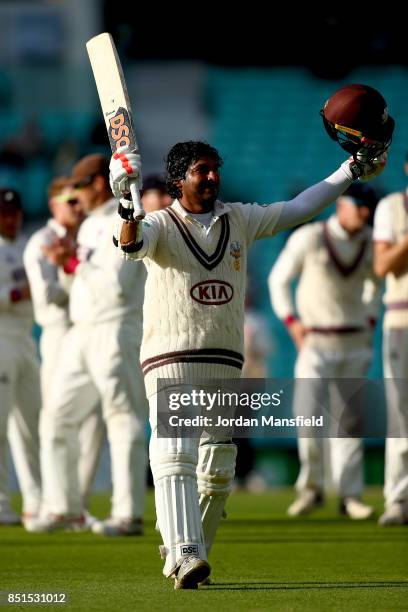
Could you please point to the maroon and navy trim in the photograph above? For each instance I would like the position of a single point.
(207, 261)
(344, 269)
(208, 355)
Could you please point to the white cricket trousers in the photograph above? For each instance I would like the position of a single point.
(346, 454)
(20, 397)
(193, 478)
(92, 429)
(395, 358)
(97, 363)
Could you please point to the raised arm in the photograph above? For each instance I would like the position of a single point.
(313, 200)
(263, 221)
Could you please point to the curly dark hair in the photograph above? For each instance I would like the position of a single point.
(180, 158)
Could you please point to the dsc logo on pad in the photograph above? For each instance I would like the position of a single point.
(191, 549)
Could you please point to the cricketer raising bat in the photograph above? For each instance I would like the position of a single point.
(114, 100)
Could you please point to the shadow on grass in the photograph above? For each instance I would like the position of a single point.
(309, 585)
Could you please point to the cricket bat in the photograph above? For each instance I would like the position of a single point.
(114, 100)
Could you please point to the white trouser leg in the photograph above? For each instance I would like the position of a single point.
(128, 464)
(23, 426)
(59, 427)
(92, 429)
(91, 436)
(346, 453)
(112, 356)
(174, 462)
(51, 340)
(396, 470)
(347, 457)
(215, 476)
(8, 375)
(309, 364)
(347, 466)
(395, 357)
(311, 464)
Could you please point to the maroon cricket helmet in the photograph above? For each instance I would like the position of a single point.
(356, 116)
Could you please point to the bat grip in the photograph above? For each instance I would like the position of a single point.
(137, 205)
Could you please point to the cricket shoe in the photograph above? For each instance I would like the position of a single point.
(191, 572)
(89, 519)
(395, 514)
(9, 517)
(355, 509)
(54, 522)
(118, 527)
(307, 501)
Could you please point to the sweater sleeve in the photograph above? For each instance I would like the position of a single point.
(287, 268)
(313, 200)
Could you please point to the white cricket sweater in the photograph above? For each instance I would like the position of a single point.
(391, 224)
(105, 286)
(50, 299)
(337, 292)
(16, 318)
(194, 297)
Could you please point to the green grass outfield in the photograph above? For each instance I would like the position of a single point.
(262, 560)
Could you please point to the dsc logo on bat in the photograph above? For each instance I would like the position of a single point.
(119, 132)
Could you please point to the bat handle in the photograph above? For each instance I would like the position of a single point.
(137, 205)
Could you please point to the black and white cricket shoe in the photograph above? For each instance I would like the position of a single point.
(191, 571)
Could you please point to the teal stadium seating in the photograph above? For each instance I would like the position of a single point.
(56, 127)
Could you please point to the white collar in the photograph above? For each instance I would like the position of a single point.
(220, 208)
(338, 230)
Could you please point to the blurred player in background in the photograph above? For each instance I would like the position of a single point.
(19, 368)
(154, 193)
(337, 301)
(257, 348)
(50, 301)
(99, 361)
(391, 262)
(190, 336)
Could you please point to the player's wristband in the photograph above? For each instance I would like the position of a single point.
(289, 320)
(15, 295)
(71, 265)
(126, 213)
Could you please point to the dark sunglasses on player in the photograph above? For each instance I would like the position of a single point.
(69, 199)
(84, 182)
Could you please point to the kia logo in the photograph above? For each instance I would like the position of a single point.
(212, 292)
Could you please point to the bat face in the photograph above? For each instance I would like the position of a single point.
(112, 91)
(115, 104)
(120, 130)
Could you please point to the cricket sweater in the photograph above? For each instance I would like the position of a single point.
(194, 296)
(16, 316)
(391, 224)
(104, 286)
(337, 294)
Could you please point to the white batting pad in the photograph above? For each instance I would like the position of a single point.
(215, 476)
(173, 463)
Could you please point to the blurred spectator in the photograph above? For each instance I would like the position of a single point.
(154, 193)
(26, 145)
